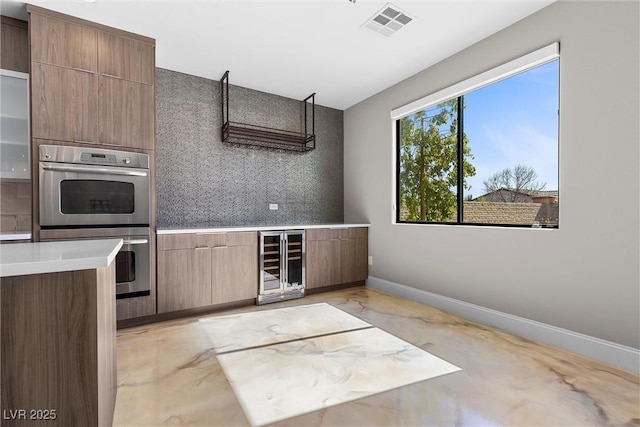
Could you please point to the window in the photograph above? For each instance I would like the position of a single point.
(484, 151)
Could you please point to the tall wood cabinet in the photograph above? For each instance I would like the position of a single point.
(196, 270)
(94, 85)
(336, 256)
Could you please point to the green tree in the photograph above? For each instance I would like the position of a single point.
(428, 164)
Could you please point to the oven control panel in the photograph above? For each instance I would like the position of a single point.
(101, 159)
(93, 156)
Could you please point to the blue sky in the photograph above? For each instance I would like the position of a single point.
(515, 121)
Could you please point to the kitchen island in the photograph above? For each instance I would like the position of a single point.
(58, 333)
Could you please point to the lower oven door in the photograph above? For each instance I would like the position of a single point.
(133, 261)
(88, 195)
(133, 268)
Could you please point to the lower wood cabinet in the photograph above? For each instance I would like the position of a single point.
(324, 265)
(196, 270)
(184, 279)
(354, 254)
(336, 256)
(235, 273)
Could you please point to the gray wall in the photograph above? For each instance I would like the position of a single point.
(585, 275)
(202, 182)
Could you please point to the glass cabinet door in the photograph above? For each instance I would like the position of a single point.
(295, 259)
(14, 125)
(271, 266)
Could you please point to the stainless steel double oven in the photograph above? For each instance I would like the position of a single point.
(90, 193)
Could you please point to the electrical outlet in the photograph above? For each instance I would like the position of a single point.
(370, 260)
(273, 206)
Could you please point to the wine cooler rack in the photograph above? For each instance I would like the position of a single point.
(282, 265)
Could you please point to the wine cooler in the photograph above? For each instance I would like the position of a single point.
(282, 265)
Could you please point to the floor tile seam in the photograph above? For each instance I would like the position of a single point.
(296, 340)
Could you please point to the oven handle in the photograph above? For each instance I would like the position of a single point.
(93, 170)
(135, 242)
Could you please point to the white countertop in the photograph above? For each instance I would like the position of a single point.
(21, 259)
(15, 236)
(223, 229)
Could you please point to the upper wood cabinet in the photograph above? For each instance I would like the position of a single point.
(125, 111)
(14, 45)
(62, 43)
(94, 84)
(125, 58)
(64, 104)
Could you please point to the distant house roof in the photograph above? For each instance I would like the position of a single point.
(505, 194)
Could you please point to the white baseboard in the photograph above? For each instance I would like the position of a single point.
(615, 354)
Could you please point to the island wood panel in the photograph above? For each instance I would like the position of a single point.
(184, 279)
(234, 273)
(14, 45)
(66, 106)
(51, 356)
(107, 347)
(62, 43)
(126, 112)
(125, 58)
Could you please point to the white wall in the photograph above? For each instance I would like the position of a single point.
(583, 277)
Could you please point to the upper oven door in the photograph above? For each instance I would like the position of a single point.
(89, 195)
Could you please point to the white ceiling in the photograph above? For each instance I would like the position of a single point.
(294, 48)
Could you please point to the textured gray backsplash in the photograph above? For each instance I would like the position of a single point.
(202, 182)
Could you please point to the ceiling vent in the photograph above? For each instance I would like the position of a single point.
(388, 20)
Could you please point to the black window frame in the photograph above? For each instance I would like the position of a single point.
(460, 165)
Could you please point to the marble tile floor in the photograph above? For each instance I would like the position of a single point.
(294, 360)
(170, 374)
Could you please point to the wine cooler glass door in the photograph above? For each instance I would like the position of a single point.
(295, 259)
(271, 265)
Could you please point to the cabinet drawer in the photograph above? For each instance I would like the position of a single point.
(244, 238)
(340, 233)
(176, 241)
(359, 232)
(317, 234)
(337, 233)
(212, 240)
